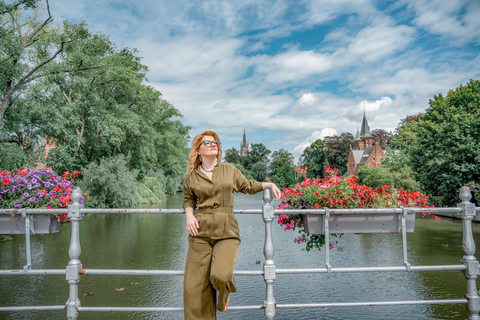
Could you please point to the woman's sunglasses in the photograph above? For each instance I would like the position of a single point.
(209, 143)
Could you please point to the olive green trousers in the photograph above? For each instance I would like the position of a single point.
(208, 269)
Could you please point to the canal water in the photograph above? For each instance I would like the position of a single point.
(145, 241)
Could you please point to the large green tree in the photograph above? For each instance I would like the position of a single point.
(257, 152)
(446, 153)
(102, 107)
(233, 156)
(337, 149)
(29, 43)
(314, 159)
(281, 158)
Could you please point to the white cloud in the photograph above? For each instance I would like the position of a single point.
(297, 152)
(458, 20)
(230, 65)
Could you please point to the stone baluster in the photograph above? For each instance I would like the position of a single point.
(269, 266)
(74, 265)
(469, 259)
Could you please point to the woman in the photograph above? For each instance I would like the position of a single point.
(214, 238)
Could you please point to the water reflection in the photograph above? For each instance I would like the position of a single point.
(148, 241)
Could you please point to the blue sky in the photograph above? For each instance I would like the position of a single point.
(292, 71)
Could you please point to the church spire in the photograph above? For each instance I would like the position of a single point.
(244, 145)
(365, 132)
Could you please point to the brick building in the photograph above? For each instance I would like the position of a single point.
(365, 152)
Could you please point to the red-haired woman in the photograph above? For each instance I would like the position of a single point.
(213, 239)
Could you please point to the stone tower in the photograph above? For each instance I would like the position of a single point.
(244, 145)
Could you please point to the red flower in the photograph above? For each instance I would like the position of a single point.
(5, 182)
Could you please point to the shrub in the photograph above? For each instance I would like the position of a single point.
(151, 191)
(259, 171)
(374, 176)
(111, 184)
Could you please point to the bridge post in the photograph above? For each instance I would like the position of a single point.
(469, 259)
(269, 266)
(74, 251)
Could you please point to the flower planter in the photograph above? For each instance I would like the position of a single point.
(43, 224)
(359, 223)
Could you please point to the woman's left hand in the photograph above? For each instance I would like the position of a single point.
(276, 191)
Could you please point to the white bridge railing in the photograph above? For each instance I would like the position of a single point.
(75, 270)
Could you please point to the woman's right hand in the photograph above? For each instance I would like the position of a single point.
(192, 223)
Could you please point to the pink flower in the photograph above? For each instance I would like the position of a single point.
(331, 245)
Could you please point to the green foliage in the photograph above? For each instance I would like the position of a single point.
(173, 184)
(315, 160)
(257, 153)
(242, 169)
(337, 149)
(446, 154)
(233, 156)
(151, 191)
(29, 44)
(259, 171)
(12, 157)
(111, 184)
(378, 176)
(284, 177)
(94, 101)
(60, 159)
(405, 178)
(281, 158)
(374, 177)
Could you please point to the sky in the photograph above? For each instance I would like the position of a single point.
(289, 72)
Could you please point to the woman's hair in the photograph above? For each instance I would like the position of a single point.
(194, 158)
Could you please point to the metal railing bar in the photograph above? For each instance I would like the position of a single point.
(368, 304)
(32, 308)
(130, 272)
(131, 309)
(158, 309)
(246, 211)
(32, 272)
(366, 211)
(373, 269)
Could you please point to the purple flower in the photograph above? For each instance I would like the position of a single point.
(37, 185)
(29, 186)
(17, 204)
(34, 180)
(26, 194)
(33, 199)
(46, 184)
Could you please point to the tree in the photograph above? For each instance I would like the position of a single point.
(102, 108)
(337, 149)
(244, 171)
(29, 44)
(381, 137)
(233, 156)
(259, 171)
(406, 121)
(374, 176)
(284, 177)
(258, 152)
(281, 158)
(446, 154)
(314, 159)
